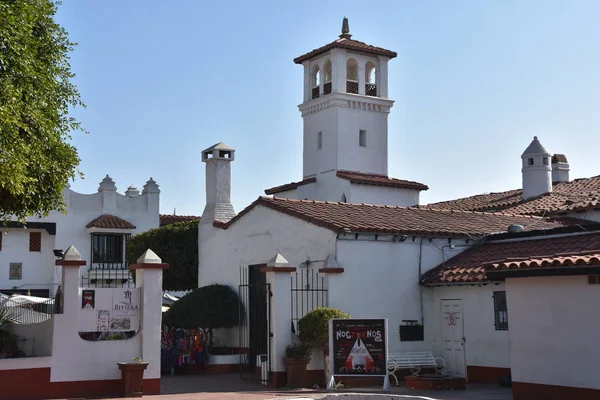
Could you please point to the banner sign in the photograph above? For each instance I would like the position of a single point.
(113, 309)
(358, 347)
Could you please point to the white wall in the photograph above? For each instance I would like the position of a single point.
(553, 328)
(38, 338)
(39, 271)
(484, 345)
(254, 239)
(384, 195)
(381, 279)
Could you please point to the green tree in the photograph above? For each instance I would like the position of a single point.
(36, 95)
(208, 308)
(313, 328)
(177, 245)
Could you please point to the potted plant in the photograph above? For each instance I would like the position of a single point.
(132, 377)
(297, 357)
(313, 329)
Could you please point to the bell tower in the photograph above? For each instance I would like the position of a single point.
(345, 107)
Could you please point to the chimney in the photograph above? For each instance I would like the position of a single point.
(560, 168)
(109, 194)
(537, 173)
(218, 160)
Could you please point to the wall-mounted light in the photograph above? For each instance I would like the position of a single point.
(58, 253)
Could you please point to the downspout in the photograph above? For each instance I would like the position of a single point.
(419, 279)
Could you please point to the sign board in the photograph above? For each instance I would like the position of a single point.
(358, 347)
(112, 309)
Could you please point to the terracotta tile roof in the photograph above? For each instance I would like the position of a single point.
(168, 219)
(398, 220)
(379, 180)
(289, 186)
(565, 196)
(349, 44)
(590, 257)
(110, 222)
(470, 266)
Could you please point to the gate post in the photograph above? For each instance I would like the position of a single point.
(278, 272)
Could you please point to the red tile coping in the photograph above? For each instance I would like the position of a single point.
(557, 260)
(379, 180)
(13, 387)
(70, 263)
(535, 391)
(110, 222)
(149, 266)
(340, 217)
(289, 186)
(278, 269)
(432, 382)
(349, 44)
(331, 270)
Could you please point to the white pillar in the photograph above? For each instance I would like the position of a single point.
(278, 272)
(149, 271)
(361, 76)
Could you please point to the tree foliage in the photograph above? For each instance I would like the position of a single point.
(208, 307)
(313, 328)
(36, 94)
(177, 245)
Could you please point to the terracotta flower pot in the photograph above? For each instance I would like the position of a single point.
(296, 371)
(132, 377)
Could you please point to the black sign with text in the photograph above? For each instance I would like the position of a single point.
(358, 346)
(88, 299)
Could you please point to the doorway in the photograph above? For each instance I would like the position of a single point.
(454, 337)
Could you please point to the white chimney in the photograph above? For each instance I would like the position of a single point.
(560, 168)
(537, 173)
(218, 160)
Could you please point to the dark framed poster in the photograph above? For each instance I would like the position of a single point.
(358, 347)
(88, 299)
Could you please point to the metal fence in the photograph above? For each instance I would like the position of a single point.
(20, 310)
(108, 278)
(309, 291)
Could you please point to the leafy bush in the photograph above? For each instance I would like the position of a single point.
(209, 307)
(314, 327)
(9, 345)
(177, 245)
(298, 351)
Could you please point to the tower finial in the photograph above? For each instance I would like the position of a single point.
(345, 30)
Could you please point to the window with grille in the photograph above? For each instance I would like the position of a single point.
(35, 241)
(107, 248)
(15, 271)
(500, 311)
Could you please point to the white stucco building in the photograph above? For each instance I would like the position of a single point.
(377, 252)
(98, 224)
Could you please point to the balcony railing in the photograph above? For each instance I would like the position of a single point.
(315, 92)
(352, 87)
(370, 89)
(108, 265)
(327, 88)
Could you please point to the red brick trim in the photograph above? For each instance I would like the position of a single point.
(331, 270)
(488, 375)
(535, 391)
(13, 388)
(70, 263)
(278, 269)
(149, 266)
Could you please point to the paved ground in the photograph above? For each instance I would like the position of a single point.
(222, 387)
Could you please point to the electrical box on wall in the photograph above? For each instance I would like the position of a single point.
(411, 331)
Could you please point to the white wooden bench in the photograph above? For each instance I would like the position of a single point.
(414, 361)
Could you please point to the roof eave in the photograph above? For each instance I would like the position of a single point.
(501, 275)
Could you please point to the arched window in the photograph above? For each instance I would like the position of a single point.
(315, 81)
(370, 79)
(327, 77)
(352, 76)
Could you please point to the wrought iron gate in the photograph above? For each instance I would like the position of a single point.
(255, 315)
(308, 291)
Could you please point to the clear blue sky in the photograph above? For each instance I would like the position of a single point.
(474, 81)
